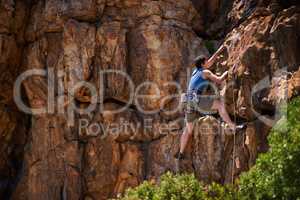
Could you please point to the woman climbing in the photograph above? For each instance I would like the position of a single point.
(200, 79)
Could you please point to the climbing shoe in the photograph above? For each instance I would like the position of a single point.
(179, 156)
(240, 127)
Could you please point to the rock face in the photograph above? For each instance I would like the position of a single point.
(14, 125)
(104, 55)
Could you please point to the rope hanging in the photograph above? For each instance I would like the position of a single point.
(233, 152)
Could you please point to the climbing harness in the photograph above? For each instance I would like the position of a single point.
(185, 100)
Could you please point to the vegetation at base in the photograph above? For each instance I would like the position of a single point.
(180, 187)
(276, 174)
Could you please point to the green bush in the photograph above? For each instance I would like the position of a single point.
(144, 191)
(171, 187)
(276, 174)
(180, 187)
(221, 192)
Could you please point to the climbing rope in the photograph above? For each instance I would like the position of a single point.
(233, 152)
(245, 16)
(235, 122)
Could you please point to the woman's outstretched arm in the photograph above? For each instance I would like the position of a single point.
(213, 58)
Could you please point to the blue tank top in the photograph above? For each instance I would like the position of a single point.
(197, 82)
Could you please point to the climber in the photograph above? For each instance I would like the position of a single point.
(201, 77)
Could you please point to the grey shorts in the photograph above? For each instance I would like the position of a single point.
(194, 110)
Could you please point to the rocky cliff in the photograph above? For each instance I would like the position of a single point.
(65, 153)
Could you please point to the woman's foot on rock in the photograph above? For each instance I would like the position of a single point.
(179, 156)
(236, 128)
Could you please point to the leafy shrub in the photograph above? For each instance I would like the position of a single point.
(144, 191)
(276, 174)
(180, 187)
(171, 187)
(221, 192)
